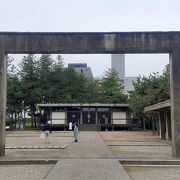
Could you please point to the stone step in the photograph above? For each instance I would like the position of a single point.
(88, 127)
(36, 147)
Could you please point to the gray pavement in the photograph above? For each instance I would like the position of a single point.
(90, 146)
(154, 173)
(95, 156)
(88, 169)
(88, 159)
(137, 145)
(25, 172)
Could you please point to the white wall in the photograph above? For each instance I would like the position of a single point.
(58, 118)
(119, 118)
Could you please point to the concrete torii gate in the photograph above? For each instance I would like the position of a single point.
(94, 43)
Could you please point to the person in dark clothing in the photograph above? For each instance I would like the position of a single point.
(47, 130)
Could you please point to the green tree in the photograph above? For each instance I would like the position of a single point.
(57, 81)
(93, 90)
(59, 63)
(29, 83)
(45, 65)
(74, 86)
(14, 94)
(111, 88)
(149, 90)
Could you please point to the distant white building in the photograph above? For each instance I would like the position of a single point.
(118, 64)
(128, 84)
(82, 68)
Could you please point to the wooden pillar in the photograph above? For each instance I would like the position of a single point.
(144, 123)
(96, 116)
(81, 116)
(153, 125)
(168, 125)
(162, 124)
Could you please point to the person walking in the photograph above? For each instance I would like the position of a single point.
(47, 130)
(76, 132)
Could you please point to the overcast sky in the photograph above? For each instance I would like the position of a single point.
(95, 16)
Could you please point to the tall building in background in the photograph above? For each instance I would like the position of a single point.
(118, 64)
(82, 68)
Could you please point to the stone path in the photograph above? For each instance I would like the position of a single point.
(88, 169)
(90, 146)
(88, 159)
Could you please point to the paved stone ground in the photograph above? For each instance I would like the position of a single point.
(94, 145)
(88, 169)
(102, 147)
(25, 172)
(90, 146)
(87, 160)
(154, 173)
(137, 145)
(28, 145)
(32, 138)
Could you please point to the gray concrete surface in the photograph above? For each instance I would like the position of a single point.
(24, 172)
(90, 155)
(175, 99)
(3, 92)
(89, 169)
(90, 146)
(96, 155)
(24, 145)
(137, 145)
(88, 42)
(154, 173)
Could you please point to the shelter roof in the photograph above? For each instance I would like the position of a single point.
(165, 105)
(82, 105)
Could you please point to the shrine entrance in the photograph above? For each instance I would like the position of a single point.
(94, 43)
